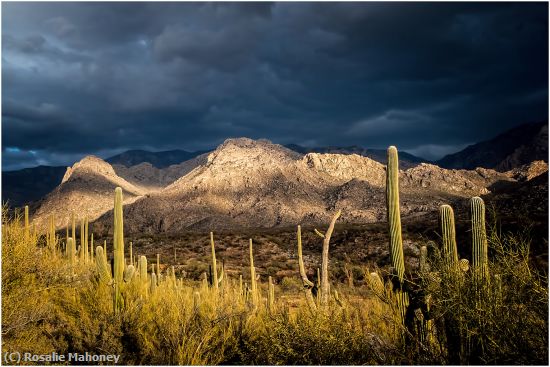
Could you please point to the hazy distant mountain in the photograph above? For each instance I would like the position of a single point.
(513, 148)
(406, 160)
(24, 186)
(157, 159)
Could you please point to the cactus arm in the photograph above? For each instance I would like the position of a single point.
(305, 281)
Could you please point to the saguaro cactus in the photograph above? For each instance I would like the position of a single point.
(394, 215)
(479, 238)
(447, 223)
(27, 227)
(270, 295)
(86, 249)
(131, 254)
(118, 241)
(82, 245)
(324, 263)
(253, 277)
(394, 225)
(71, 252)
(102, 266)
(214, 265)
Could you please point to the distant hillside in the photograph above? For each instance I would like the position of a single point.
(406, 160)
(511, 149)
(30, 184)
(157, 159)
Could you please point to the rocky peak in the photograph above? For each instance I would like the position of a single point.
(89, 164)
(245, 152)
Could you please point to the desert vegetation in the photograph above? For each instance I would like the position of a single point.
(107, 299)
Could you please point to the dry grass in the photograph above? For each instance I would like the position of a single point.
(46, 307)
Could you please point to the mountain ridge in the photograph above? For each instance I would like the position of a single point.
(520, 145)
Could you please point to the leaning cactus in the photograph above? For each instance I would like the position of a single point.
(118, 241)
(307, 284)
(447, 223)
(479, 238)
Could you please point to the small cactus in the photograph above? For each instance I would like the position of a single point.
(153, 283)
(129, 273)
(447, 223)
(102, 266)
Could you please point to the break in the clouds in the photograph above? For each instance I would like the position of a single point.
(99, 78)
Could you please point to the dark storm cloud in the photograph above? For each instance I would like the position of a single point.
(81, 78)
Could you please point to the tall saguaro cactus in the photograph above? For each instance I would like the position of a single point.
(118, 241)
(253, 277)
(214, 265)
(394, 225)
(479, 238)
(394, 216)
(447, 223)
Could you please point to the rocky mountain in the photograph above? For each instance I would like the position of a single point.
(379, 155)
(87, 189)
(257, 184)
(156, 159)
(511, 149)
(24, 186)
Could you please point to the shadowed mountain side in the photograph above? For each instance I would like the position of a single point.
(407, 160)
(156, 159)
(30, 184)
(513, 148)
(150, 178)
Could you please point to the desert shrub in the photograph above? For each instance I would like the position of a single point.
(307, 338)
(292, 285)
(502, 320)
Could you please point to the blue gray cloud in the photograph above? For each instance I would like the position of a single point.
(97, 78)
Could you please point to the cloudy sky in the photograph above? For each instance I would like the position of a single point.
(100, 78)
